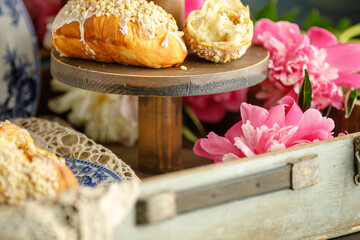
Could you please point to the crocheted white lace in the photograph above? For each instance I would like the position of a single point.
(83, 213)
(66, 142)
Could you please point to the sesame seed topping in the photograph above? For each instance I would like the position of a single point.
(146, 14)
(220, 32)
(183, 67)
(25, 171)
(22, 177)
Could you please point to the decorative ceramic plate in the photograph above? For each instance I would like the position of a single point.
(89, 174)
(19, 63)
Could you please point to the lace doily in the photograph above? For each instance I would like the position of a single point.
(83, 213)
(66, 142)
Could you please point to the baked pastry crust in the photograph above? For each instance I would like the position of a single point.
(28, 172)
(130, 32)
(221, 31)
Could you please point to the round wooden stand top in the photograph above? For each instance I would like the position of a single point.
(201, 77)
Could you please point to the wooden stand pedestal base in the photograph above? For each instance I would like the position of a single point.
(160, 138)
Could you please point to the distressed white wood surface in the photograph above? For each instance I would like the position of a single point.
(328, 209)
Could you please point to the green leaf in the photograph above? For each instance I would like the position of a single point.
(267, 11)
(189, 135)
(305, 95)
(350, 33)
(343, 24)
(350, 101)
(291, 15)
(354, 40)
(315, 19)
(195, 121)
(327, 110)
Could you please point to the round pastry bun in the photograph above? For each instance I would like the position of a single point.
(221, 31)
(130, 32)
(28, 172)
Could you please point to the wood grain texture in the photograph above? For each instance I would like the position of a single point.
(160, 139)
(326, 210)
(201, 77)
(300, 174)
(354, 236)
(234, 189)
(152, 209)
(162, 206)
(305, 173)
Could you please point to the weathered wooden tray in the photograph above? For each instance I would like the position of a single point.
(305, 192)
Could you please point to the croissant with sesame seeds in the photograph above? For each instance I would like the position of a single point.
(220, 32)
(130, 32)
(28, 172)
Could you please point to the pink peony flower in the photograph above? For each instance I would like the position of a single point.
(212, 108)
(261, 131)
(330, 65)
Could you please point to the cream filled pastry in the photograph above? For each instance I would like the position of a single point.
(130, 32)
(26, 171)
(221, 31)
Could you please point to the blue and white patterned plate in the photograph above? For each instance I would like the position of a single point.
(19, 63)
(89, 174)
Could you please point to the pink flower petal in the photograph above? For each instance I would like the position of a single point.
(293, 110)
(348, 80)
(217, 144)
(213, 113)
(202, 101)
(212, 108)
(261, 26)
(236, 98)
(198, 150)
(276, 116)
(345, 57)
(272, 132)
(313, 126)
(229, 157)
(282, 31)
(255, 114)
(276, 146)
(328, 63)
(321, 38)
(244, 148)
(191, 5)
(215, 147)
(234, 131)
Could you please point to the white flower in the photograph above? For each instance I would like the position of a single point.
(105, 117)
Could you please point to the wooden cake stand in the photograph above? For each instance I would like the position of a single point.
(160, 92)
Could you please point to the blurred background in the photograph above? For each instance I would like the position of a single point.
(334, 10)
(333, 15)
